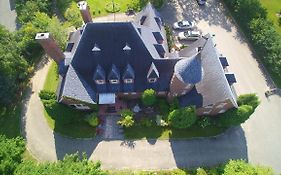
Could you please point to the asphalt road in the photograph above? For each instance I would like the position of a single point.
(258, 140)
(8, 14)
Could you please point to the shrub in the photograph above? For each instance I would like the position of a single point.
(175, 104)
(3, 110)
(201, 171)
(148, 97)
(183, 117)
(169, 36)
(109, 7)
(47, 95)
(92, 119)
(126, 121)
(160, 121)
(240, 166)
(126, 112)
(11, 151)
(146, 122)
(204, 122)
(163, 106)
(73, 16)
(234, 117)
(249, 99)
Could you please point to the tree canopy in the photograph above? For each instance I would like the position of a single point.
(183, 117)
(148, 97)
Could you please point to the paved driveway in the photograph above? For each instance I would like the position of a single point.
(262, 131)
(258, 140)
(8, 14)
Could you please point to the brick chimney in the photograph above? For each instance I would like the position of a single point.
(50, 46)
(85, 11)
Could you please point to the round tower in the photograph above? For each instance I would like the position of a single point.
(187, 72)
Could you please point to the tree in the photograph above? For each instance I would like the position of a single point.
(11, 151)
(70, 165)
(148, 97)
(241, 167)
(92, 119)
(126, 121)
(26, 14)
(234, 117)
(183, 117)
(13, 68)
(249, 99)
(73, 15)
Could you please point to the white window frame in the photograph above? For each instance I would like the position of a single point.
(209, 107)
(161, 93)
(208, 112)
(114, 81)
(126, 93)
(133, 93)
(80, 106)
(152, 80)
(100, 81)
(222, 111)
(128, 80)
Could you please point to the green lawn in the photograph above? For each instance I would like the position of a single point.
(97, 7)
(141, 132)
(273, 7)
(63, 119)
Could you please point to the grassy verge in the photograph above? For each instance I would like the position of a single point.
(273, 7)
(141, 132)
(63, 119)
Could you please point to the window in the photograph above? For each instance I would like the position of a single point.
(128, 80)
(152, 80)
(126, 93)
(222, 111)
(134, 93)
(221, 105)
(209, 107)
(162, 93)
(207, 112)
(100, 81)
(80, 106)
(183, 92)
(114, 81)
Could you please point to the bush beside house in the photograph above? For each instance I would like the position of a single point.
(127, 119)
(148, 97)
(183, 117)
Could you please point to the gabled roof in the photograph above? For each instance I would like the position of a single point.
(99, 74)
(129, 72)
(152, 72)
(114, 73)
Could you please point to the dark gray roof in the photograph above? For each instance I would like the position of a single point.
(111, 39)
(99, 74)
(213, 86)
(191, 98)
(189, 70)
(75, 87)
(114, 73)
(129, 72)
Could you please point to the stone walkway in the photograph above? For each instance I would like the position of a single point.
(111, 130)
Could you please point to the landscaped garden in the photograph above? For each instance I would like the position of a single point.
(158, 119)
(61, 118)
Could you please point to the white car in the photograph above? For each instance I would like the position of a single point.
(183, 25)
(189, 35)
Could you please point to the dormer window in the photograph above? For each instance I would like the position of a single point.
(153, 74)
(129, 74)
(152, 80)
(100, 82)
(99, 75)
(127, 47)
(96, 48)
(114, 75)
(128, 81)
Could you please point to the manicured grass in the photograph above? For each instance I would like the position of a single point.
(141, 132)
(10, 122)
(98, 7)
(273, 7)
(52, 78)
(63, 119)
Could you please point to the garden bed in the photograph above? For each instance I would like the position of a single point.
(63, 119)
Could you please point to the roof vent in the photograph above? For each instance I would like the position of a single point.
(96, 48)
(127, 47)
(143, 18)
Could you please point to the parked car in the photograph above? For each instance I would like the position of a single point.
(189, 35)
(201, 2)
(183, 25)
